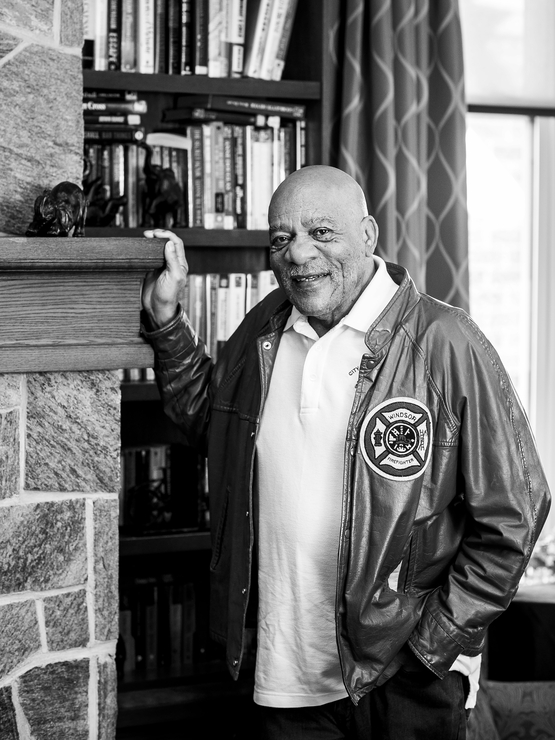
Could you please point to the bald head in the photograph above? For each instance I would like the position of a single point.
(320, 185)
(322, 242)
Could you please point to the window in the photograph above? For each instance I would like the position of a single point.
(510, 89)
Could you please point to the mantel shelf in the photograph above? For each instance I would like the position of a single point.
(73, 304)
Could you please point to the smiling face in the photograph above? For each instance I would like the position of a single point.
(321, 243)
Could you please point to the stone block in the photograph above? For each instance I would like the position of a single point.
(9, 454)
(73, 432)
(7, 43)
(42, 135)
(107, 699)
(54, 700)
(34, 16)
(10, 391)
(106, 548)
(67, 620)
(8, 723)
(43, 546)
(19, 634)
(71, 33)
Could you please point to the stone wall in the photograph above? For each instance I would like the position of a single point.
(59, 468)
(59, 432)
(41, 90)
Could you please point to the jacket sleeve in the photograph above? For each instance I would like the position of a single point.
(507, 501)
(184, 371)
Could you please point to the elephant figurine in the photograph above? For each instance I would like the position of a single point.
(163, 195)
(59, 212)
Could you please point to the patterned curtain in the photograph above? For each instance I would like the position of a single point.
(398, 127)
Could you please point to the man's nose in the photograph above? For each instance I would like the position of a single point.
(301, 249)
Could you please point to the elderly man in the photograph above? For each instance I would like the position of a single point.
(375, 489)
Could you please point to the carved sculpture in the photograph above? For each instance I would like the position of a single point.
(59, 212)
(162, 197)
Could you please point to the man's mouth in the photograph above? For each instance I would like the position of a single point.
(308, 278)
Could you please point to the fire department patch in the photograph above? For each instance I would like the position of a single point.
(396, 437)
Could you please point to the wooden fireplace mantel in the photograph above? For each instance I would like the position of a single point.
(74, 303)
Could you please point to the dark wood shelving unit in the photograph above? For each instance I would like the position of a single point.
(162, 543)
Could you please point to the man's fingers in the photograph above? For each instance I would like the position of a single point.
(174, 251)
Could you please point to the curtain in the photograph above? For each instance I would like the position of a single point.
(398, 127)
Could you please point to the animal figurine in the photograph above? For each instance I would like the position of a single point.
(59, 212)
(162, 197)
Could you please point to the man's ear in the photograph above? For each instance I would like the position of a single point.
(371, 232)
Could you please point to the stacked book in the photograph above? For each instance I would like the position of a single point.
(218, 38)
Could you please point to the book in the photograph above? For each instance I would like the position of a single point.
(128, 119)
(93, 105)
(197, 158)
(201, 37)
(131, 210)
(240, 185)
(145, 36)
(246, 105)
(126, 631)
(114, 34)
(208, 182)
(279, 62)
(89, 33)
(230, 221)
(110, 95)
(222, 308)
(187, 37)
(218, 174)
(236, 11)
(101, 36)
(217, 59)
(128, 36)
(160, 36)
(259, 175)
(113, 132)
(205, 114)
(275, 31)
(189, 623)
(267, 282)
(168, 139)
(173, 31)
(256, 33)
(235, 301)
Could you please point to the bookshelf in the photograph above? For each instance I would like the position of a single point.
(184, 693)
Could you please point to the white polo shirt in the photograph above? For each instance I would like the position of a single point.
(300, 451)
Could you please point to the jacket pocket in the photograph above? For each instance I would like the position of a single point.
(218, 542)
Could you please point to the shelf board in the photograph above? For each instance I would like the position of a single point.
(139, 391)
(196, 238)
(200, 84)
(155, 544)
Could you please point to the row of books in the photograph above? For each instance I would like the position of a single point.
(157, 624)
(218, 38)
(162, 488)
(226, 173)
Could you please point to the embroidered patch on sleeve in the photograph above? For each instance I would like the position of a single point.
(396, 437)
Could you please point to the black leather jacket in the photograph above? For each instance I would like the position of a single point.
(442, 478)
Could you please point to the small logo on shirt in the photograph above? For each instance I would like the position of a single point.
(395, 438)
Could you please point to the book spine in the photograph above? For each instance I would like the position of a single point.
(131, 186)
(114, 106)
(127, 119)
(128, 36)
(198, 176)
(212, 280)
(117, 173)
(275, 31)
(160, 36)
(114, 35)
(229, 178)
(217, 65)
(261, 178)
(101, 37)
(244, 105)
(106, 95)
(126, 631)
(187, 36)
(104, 133)
(237, 11)
(236, 301)
(283, 45)
(223, 290)
(201, 37)
(89, 33)
(207, 155)
(189, 623)
(146, 35)
(174, 37)
(256, 39)
(239, 174)
(218, 174)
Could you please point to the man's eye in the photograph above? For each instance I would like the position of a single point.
(322, 232)
(277, 242)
